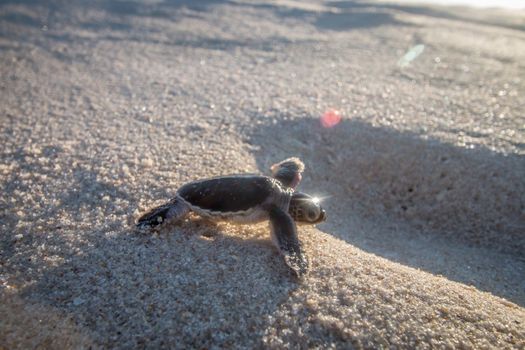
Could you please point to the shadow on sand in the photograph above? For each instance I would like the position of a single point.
(116, 21)
(421, 202)
(335, 15)
(348, 15)
(168, 289)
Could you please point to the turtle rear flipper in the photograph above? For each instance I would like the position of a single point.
(175, 209)
(284, 235)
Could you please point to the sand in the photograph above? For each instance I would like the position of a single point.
(107, 107)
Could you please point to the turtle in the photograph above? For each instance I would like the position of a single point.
(249, 198)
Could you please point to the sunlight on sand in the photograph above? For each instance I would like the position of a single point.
(508, 4)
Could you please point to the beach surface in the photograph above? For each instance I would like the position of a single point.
(107, 107)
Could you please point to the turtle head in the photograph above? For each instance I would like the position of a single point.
(288, 172)
(306, 209)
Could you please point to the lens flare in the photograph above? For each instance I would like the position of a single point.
(319, 199)
(330, 118)
(411, 55)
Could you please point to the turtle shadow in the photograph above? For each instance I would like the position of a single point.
(451, 211)
(177, 287)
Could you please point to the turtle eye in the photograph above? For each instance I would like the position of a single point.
(312, 215)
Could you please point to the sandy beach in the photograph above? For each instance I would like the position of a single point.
(107, 107)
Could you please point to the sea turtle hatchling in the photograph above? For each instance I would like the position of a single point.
(249, 199)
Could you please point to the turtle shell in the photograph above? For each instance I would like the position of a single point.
(229, 194)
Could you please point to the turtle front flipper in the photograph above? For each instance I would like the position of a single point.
(174, 210)
(288, 172)
(284, 236)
